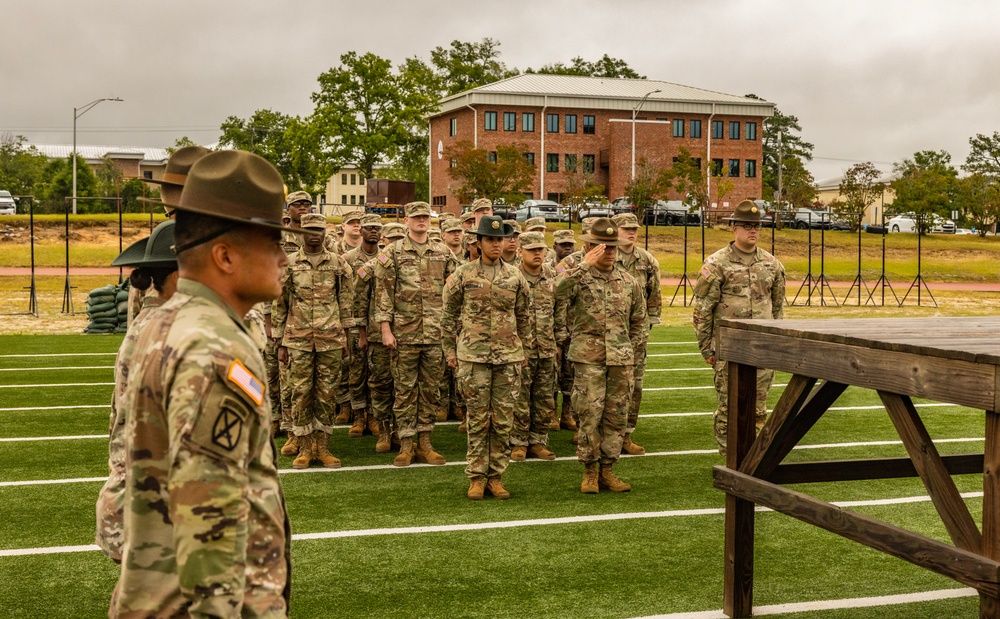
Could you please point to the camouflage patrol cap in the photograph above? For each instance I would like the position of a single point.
(481, 204)
(533, 240)
(298, 196)
(352, 216)
(451, 225)
(313, 221)
(747, 212)
(535, 223)
(156, 250)
(518, 228)
(434, 233)
(586, 223)
(416, 209)
(470, 237)
(393, 231)
(445, 217)
(371, 220)
(563, 236)
(626, 220)
(467, 216)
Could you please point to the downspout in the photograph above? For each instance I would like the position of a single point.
(430, 163)
(711, 166)
(541, 160)
(475, 122)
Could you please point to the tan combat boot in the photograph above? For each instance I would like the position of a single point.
(343, 414)
(305, 453)
(425, 451)
(442, 414)
(540, 452)
(291, 446)
(568, 418)
(463, 425)
(609, 480)
(275, 428)
(405, 456)
(589, 485)
(495, 487)
(518, 453)
(384, 443)
(373, 425)
(358, 429)
(476, 487)
(631, 448)
(321, 451)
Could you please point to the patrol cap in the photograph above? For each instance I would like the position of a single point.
(434, 233)
(298, 196)
(393, 231)
(481, 204)
(535, 223)
(467, 216)
(313, 221)
(451, 225)
(445, 217)
(533, 240)
(156, 250)
(352, 216)
(626, 220)
(470, 237)
(416, 209)
(586, 223)
(517, 227)
(371, 220)
(563, 236)
(747, 212)
(603, 231)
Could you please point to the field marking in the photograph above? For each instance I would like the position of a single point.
(53, 408)
(24, 439)
(64, 354)
(706, 369)
(507, 524)
(672, 343)
(819, 605)
(56, 385)
(72, 367)
(698, 387)
(675, 354)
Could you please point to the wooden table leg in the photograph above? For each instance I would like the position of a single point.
(738, 585)
(989, 607)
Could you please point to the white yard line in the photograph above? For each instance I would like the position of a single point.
(63, 354)
(24, 439)
(698, 387)
(675, 354)
(53, 408)
(671, 343)
(72, 367)
(704, 369)
(56, 385)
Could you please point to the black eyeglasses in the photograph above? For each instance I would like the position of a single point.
(750, 226)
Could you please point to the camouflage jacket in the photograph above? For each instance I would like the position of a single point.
(316, 305)
(256, 327)
(644, 267)
(408, 287)
(486, 321)
(290, 242)
(606, 314)
(364, 301)
(550, 259)
(728, 288)
(541, 340)
(206, 532)
(111, 499)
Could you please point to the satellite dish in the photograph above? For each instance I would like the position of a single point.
(440, 149)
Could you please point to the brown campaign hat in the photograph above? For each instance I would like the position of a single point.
(746, 212)
(178, 166)
(156, 250)
(235, 185)
(603, 231)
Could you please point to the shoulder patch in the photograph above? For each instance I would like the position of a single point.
(450, 281)
(561, 269)
(243, 378)
(228, 426)
(383, 258)
(705, 272)
(362, 273)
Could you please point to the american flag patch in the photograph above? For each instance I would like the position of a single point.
(362, 273)
(383, 259)
(705, 273)
(243, 378)
(450, 281)
(561, 268)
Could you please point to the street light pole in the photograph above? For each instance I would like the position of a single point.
(635, 111)
(77, 113)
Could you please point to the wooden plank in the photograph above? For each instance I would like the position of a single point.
(989, 607)
(856, 470)
(941, 487)
(738, 573)
(777, 426)
(942, 380)
(818, 402)
(966, 567)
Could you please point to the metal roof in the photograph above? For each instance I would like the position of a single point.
(96, 153)
(834, 183)
(604, 93)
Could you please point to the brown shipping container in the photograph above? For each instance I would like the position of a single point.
(385, 191)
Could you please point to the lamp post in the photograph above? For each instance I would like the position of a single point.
(77, 113)
(635, 111)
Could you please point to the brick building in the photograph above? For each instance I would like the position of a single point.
(575, 125)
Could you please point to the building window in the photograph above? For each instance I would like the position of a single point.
(530, 158)
(453, 126)
(588, 164)
(569, 163)
(490, 121)
(734, 130)
(439, 200)
(678, 128)
(509, 121)
(588, 125)
(734, 167)
(570, 123)
(716, 129)
(354, 178)
(453, 163)
(343, 198)
(751, 168)
(751, 131)
(551, 162)
(343, 181)
(353, 198)
(361, 179)
(528, 122)
(147, 174)
(361, 199)
(552, 123)
(717, 167)
(696, 128)
(491, 156)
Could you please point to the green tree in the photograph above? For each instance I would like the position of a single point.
(466, 65)
(798, 184)
(925, 185)
(605, 66)
(781, 140)
(21, 166)
(582, 188)
(291, 143)
(56, 184)
(180, 143)
(859, 189)
(977, 196)
(508, 177)
(645, 188)
(686, 176)
(984, 155)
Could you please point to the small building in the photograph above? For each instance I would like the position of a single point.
(584, 125)
(133, 162)
(828, 191)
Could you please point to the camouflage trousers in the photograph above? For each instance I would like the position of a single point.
(536, 408)
(358, 373)
(111, 500)
(565, 379)
(451, 394)
(639, 371)
(416, 375)
(285, 387)
(273, 383)
(344, 383)
(764, 380)
(490, 393)
(602, 395)
(314, 380)
(380, 380)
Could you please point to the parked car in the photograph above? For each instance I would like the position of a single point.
(963, 231)
(503, 210)
(7, 204)
(551, 211)
(672, 213)
(907, 222)
(805, 217)
(595, 209)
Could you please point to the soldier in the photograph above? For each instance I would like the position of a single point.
(485, 321)
(434, 234)
(481, 207)
(350, 237)
(536, 408)
(471, 243)
(604, 310)
(451, 235)
(206, 532)
(409, 279)
(740, 280)
(311, 319)
(468, 219)
(644, 267)
(156, 269)
(510, 254)
(563, 244)
(350, 225)
(535, 224)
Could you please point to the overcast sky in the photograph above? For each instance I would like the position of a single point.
(871, 80)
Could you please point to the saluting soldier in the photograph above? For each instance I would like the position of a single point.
(206, 532)
(740, 280)
(485, 321)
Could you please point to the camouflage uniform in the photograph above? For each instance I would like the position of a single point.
(206, 532)
(536, 408)
(567, 265)
(484, 323)
(378, 355)
(291, 243)
(606, 314)
(728, 287)
(358, 366)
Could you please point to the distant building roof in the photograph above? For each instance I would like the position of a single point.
(605, 93)
(832, 184)
(94, 154)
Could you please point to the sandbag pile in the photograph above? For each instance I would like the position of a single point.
(107, 309)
